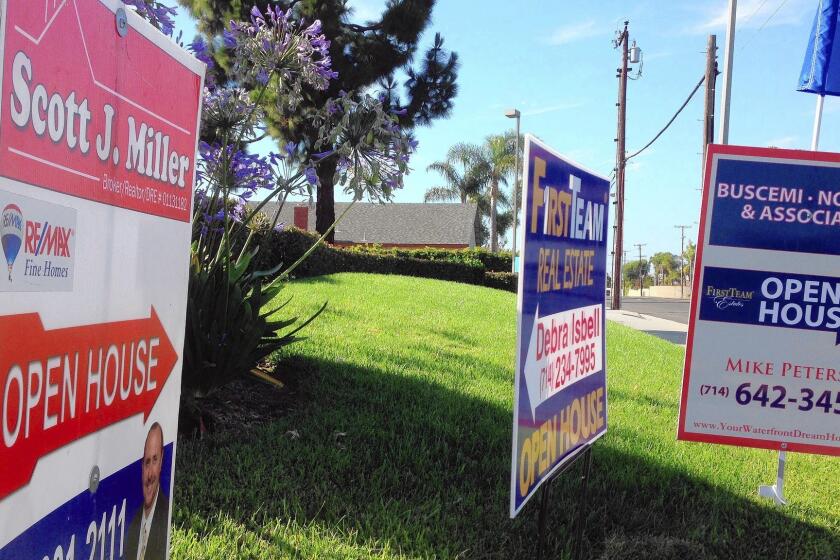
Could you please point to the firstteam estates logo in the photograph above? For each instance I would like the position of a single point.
(725, 298)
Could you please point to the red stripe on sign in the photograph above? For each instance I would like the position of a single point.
(61, 385)
(774, 445)
(712, 150)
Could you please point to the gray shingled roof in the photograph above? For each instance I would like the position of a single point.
(409, 223)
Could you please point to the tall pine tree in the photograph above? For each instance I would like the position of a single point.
(363, 55)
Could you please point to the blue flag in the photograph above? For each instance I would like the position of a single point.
(821, 68)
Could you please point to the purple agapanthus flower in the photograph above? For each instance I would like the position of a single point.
(333, 107)
(228, 39)
(314, 28)
(275, 42)
(239, 211)
(311, 176)
(234, 169)
(256, 16)
(156, 13)
(322, 155)
(201, 51)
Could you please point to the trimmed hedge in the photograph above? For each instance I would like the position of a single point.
(493, 262)
(501, 280)
(289, 245)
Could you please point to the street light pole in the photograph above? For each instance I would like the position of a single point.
(514, 114)
(728, 52)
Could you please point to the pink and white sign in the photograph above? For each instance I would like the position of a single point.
(99, 120)
(93, 114)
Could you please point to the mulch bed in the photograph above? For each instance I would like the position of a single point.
(245, 402)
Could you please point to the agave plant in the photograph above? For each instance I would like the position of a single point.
(227, 336)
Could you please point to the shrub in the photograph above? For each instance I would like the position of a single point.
(494, 262)
(501, 281)
(287, 246)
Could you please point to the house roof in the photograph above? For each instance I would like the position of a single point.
(396, 223)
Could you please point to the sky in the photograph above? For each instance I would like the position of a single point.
(555, 62)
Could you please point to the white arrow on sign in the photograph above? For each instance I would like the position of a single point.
(570, 350)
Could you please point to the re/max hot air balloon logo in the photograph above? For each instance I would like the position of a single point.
(11, 234)
(38, 245)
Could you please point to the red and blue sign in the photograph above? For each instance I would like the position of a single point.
(762, 365)
(99, 124)
(93, 524)
(560, 397)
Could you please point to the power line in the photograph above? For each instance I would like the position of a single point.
(655, 138)
(752, 15)
(763, 25)
(772, 16)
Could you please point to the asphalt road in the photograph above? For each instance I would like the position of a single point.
(664, 308)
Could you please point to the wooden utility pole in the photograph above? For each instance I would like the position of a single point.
(641, 277)
(622, 42)
(709, 106)
(682, 258)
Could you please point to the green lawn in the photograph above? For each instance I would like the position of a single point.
(397, 445)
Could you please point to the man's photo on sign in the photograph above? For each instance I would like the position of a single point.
(147, 533)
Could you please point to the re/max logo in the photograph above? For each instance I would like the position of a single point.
(12, 220)
(47, 239)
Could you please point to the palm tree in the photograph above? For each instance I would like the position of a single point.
(493, 163)
(474, 173)
(663, 263)
(457, 172)
(461, 183)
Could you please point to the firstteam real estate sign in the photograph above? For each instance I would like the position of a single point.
(762, 366)
(560, 396)
(99, 116)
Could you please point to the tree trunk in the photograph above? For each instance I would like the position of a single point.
(325, 206)
(494, 237)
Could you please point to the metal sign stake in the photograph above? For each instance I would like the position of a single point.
(585, 457)
(775, 492)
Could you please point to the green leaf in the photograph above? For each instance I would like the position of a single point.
(240, 267)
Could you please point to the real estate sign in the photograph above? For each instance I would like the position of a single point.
(762, 366)
(98, 133)
(560, 396)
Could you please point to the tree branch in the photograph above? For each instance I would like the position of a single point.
(363, 28)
